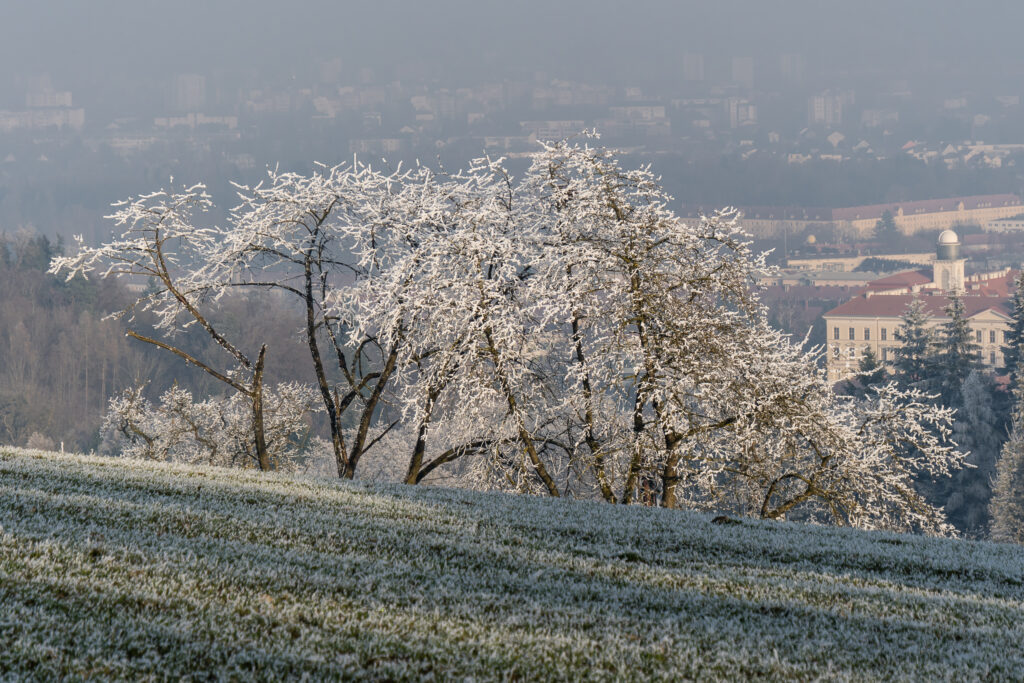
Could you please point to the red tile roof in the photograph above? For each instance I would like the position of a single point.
(789, 213)
(1001, 287)
(804, 292)
(875, 211)
(895, 305)
(906, 278)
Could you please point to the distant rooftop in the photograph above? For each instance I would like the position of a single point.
(907, 278)
(895, 305)
(875, 211)
(983, 292)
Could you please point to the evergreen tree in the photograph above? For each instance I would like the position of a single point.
(1007, 506)
(1015, 336)
(870, 373)
(913, 358)
(886, 231)
(979, 432)
(957, 353)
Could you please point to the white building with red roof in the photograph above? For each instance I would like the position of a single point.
(871, 318)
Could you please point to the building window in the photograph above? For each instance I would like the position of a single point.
(991, 336)
(885, 355)
(835, 350)
(867, 334)
(992, 358)
(835, 333)
(977, 336)
(884, 334)
(1006, 335)
(853, 334)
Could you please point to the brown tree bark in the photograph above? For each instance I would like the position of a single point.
(262, 456)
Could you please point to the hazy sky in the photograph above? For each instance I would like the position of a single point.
(82, 42)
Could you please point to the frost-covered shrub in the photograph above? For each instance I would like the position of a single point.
(216, 431)
(40, 442)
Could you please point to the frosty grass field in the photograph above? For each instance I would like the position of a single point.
(136, 570)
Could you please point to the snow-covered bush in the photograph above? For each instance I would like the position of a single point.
(216, 431)
(40, 442)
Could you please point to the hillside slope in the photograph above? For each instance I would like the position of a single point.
(118, 569)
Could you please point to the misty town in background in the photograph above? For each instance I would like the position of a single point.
(569, 340)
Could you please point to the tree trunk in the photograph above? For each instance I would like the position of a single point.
(333, 418)
(588, 431)
(538, 464)
(669, 481)
(257, 413)
(513, 407)
(634, 462)
(416, 461)
(359, 442)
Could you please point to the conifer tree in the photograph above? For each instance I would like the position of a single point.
(979, 432)
(913, 358)
(870, 369)
(870, 373)
(886, 230)
(1007, 506)
(1015, 336)
(957, 353)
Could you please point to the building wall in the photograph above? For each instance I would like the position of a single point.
(845, 353)
(767, 227)
(1005, 225)
(907, 223)
(847, 264)
(940, 220)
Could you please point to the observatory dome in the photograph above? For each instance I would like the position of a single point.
(948, 246)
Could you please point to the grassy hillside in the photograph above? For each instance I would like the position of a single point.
(115, 569)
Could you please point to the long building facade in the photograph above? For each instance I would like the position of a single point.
(909, 217)
(871, 319)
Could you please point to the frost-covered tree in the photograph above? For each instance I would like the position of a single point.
(317, 238)
(467, 299)
(656, 313)
(810, 453)
(1007, 506)
(980, 433)
(581, 336)
(564, 334)
(913, 359)
(163, 247)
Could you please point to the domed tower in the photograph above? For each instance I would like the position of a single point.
(948, 269)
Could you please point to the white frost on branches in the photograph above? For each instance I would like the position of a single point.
(216, 431)
(564, 334)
